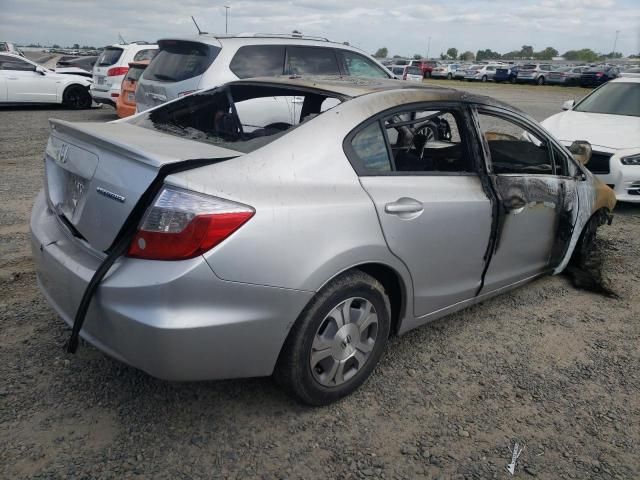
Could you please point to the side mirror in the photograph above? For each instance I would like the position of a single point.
(41, 70)
(581, 151)
(568, 105)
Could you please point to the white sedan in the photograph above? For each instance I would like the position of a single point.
(24, 81)
(609, 119)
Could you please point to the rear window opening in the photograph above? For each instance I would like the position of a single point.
(241, 117)
(179, 60)
(109, 56)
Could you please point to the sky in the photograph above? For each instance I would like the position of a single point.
(403, 27)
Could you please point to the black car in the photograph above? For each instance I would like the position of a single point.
(594, 76)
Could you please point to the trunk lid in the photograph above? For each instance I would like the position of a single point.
(96, 173)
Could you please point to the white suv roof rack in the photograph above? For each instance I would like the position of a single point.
(276, 35)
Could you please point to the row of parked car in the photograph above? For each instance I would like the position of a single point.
(537, 73)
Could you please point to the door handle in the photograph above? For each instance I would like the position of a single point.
(404, 208)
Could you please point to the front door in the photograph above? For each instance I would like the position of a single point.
(536, 213)
(435, 215)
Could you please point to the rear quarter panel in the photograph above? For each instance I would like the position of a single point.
(313, 219)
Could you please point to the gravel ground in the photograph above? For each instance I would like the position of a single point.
(550, 366)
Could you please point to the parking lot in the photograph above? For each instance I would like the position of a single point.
(551, 366)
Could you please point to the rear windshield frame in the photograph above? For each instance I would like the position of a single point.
(166, 118)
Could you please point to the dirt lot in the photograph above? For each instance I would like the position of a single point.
(553, 367)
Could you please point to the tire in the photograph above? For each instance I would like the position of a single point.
(512, 80)
(484, 78)
(449, 76)
(315, 378)
(76, 97)
(540, 81)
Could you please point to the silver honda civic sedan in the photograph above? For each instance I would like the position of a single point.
(192, 242)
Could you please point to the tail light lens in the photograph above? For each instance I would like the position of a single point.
(115, 71)
(599, 74)
(181, 224)
(404, 77)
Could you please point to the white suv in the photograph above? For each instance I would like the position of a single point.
(185, 65)
(113, 64)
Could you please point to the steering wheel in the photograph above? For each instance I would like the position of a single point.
(423, 135)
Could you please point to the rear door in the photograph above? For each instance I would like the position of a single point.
(418, 167)
(536, 197)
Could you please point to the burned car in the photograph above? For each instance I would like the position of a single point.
(194, 243)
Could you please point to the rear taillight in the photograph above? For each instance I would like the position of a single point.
(115, 71)
(404, 77)
(181, 224)
(599, 74)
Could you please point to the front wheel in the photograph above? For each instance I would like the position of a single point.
(337, 340)
(484, 78)
(76, 97)
(449, 76)
(540, 81)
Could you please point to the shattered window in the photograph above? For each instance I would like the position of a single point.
(240, 117)
(514, 148)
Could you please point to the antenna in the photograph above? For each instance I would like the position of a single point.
(200, 32)
(122, 40)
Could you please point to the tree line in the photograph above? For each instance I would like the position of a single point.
(525, 53)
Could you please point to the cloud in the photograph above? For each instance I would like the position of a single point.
(403, 27)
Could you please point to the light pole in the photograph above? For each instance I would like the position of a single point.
(226, 19)
(615, 42)
(428, 48)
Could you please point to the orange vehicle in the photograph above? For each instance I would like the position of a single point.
(126, 102)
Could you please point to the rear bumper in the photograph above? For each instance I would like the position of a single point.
(123, 110)
(105, 96)
(173, 320)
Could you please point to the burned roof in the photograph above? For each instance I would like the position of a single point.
(352, 87)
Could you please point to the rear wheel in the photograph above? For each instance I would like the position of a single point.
(337, 340)
(76, 97)
(484, 78)
(540, 81)
(449, 76)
